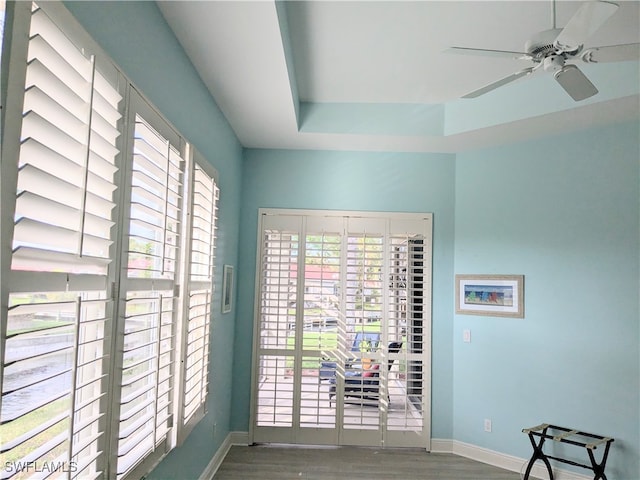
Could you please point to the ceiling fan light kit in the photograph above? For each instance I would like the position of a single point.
(553, 63)
(552, 50)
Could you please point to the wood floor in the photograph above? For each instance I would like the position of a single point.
(345, 463)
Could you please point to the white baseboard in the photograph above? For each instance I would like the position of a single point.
(441, 445)
(239, 438)
(234, 438)
(507, 462)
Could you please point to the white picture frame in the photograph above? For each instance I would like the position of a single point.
(227, 288)
(490, 295)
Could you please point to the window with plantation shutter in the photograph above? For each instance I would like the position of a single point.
(150, 288)
(200, 263)
(56, 338)
(107, 263)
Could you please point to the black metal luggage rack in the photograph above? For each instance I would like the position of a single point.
(589, 441)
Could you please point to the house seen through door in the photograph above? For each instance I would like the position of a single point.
(342, 336)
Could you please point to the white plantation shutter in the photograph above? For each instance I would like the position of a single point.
(67, 158)
(150, 280)
(321, 317)
(55, 381)
(409, 315)
(106, 278)
(205, 193)
(365, 288)
(156, 198)
(200, 263)
(56, 332)
(357, 274)
(409, 283)
(364, 279)
(278, 266)
(321, 283)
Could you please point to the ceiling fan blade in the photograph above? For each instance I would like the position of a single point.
(488, 53)
(614, 53)
(575, 83)
(589, 18)
(499, 83)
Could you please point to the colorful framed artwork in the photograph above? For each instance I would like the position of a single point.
(490, 295)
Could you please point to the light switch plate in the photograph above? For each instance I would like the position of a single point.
(466, 336)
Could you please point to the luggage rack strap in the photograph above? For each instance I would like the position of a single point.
(542, 426)
(562, 436)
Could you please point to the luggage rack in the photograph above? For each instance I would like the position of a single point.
(589, 441)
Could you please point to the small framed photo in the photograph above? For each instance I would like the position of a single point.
(490, 295)
(227, 288)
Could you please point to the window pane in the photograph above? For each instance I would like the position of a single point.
(53, 375)
(147, 378)
(204, 204)
(154, 229)
(321, 311)
(278, 289)
(197, 354)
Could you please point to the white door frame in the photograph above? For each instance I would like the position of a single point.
(395, 436)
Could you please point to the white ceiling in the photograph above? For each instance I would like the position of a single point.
(264, 63)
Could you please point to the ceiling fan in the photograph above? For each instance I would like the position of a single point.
(553, 49)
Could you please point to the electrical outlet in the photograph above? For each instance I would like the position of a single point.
(466, 336)
(487, 425)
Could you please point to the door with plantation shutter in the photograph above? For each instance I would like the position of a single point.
(343, 329)
(55, 374)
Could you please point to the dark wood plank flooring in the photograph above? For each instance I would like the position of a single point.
(270, 462)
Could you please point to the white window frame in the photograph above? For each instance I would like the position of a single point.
(19, 281)
(138, 105)
(114, 284)
(190, 413)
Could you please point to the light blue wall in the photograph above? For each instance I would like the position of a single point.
(136, 36)
(350, 181)
(563, 212)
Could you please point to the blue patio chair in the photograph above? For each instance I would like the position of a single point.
(372, 339)
(363, 384)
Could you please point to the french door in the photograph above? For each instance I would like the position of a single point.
(342, 332)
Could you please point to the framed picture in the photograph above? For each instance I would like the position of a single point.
(490, 295)
(227, 288)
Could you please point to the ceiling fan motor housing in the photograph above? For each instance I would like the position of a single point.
(542, 45)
